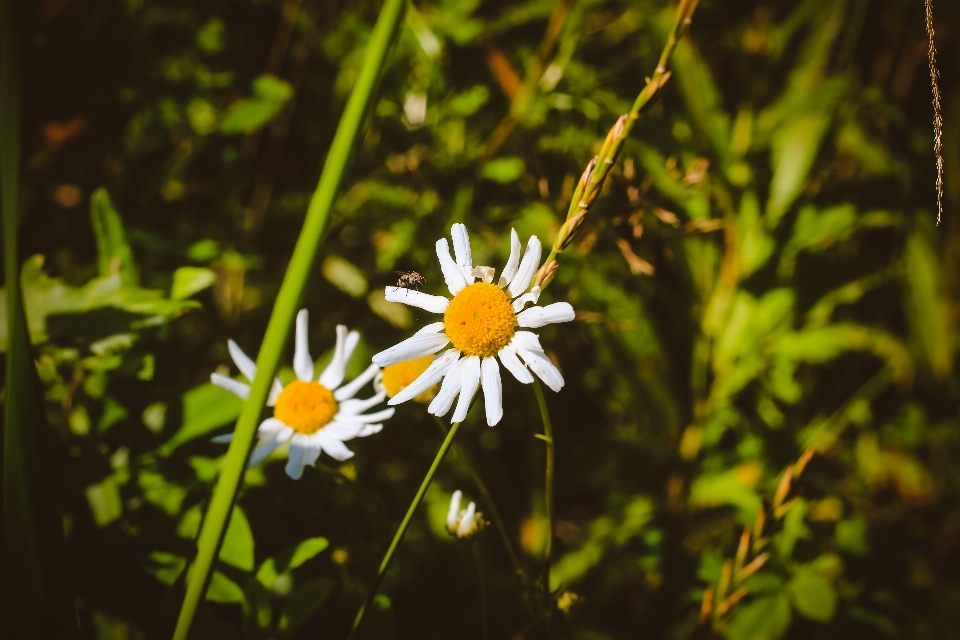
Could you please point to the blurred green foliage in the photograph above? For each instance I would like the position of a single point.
(760, 276)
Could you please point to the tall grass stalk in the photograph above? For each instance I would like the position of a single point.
(38, 602)
(286, 306)
(404, 524)
(547, 437)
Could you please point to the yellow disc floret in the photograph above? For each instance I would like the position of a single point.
(305, 406)
(480, 320)
(397, 377)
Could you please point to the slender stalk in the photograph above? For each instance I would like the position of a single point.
(591, 182)
(484, 623)
(402, 529)
(490, 507)
(285, 308)
(548, 483)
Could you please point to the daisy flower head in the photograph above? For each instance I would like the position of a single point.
(483, 321)
(396, 377)
(314, 415)
(466, 523)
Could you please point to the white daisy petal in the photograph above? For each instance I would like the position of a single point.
(332, 376)
(541, 365)
(453, 514)
(419, 299)
(508, 356)
(513, 261)
(526, 340)
(271, 426)
(249, 369)
(540, 316)
(461, 249)
(431, 376)
(295, 462)
(441, 404)
(264, 448)
(529, 297)
(362, 418)
(466, 522)
(247, 366)
(416, 346)
(468, 388)
(369, 430)
(235, 387)
(335, 448)
(528, 267)
(302, 362)
(433, 327)
(350, 389)
(227, 437)
(492, 391)
(352, 406)
(452, 274)
(484, 273)
(311, 452)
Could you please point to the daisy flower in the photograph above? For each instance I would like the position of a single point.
(396, 377)
(466, 523)
(313, 415)
(483, 321)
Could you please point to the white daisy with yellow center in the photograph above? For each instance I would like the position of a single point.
(313, 415)
(483, 321)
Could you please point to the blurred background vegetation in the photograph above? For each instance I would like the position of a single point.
(761, 283)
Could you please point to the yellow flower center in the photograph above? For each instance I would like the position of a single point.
(305, 406)
(480, 320)
(398, 377)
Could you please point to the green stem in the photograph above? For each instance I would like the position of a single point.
(548, 484)
(286, 306)
(485, 631)
(402, 529)
(489, 506)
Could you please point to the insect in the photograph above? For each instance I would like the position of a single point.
(409, 280)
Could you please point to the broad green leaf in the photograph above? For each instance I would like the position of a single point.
(237, 547)
(503, 169)
(812, 596)
(851, 536)
(223, 589)
(303, 602)
(927, 305)
(794, 529)
(248, 114)
(113, 250)
(190, 280)
(164, 566)
(204, 409)
(307, 550)
(159, 491)
(795, 147)
(766, 618)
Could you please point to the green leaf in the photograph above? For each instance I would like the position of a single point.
(190, 280)
(113, 251)
(223, 589)
(248, 114)
(306, 550)
(794, 529)
(734, 487)
(503, 169)
(237, 547)
(851, 536)
(812, 596)
(927, 305)
(204, 409)
(795, 147)
(766, 618)
(303, 602)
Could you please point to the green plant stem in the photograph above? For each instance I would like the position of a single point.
(286, 306)
(548, 484)
(484, 623)
(588, 189)
(489, 505)
(402, 529)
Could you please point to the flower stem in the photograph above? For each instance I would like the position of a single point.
(485, 632)
(548, 483)
(402, 529)
(489, 506)
(286, 305)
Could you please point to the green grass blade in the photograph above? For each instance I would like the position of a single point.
(287, 303)
(37, 602)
